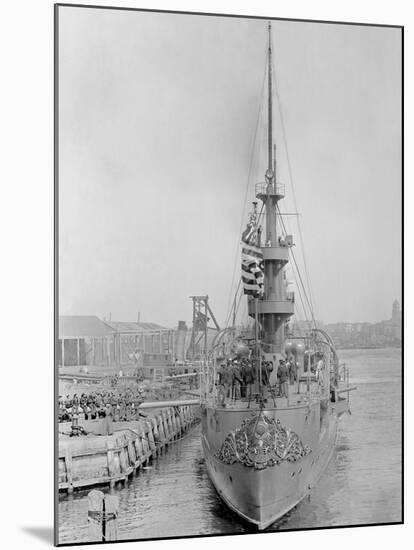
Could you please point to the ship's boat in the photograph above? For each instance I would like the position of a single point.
(271, 397)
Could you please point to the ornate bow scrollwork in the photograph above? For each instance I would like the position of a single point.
(261, 442)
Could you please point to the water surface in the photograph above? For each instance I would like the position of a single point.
(361, 485)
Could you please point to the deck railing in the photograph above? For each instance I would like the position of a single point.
(264, 188)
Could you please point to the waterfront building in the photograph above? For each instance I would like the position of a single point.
(369, 335)
(85, 340)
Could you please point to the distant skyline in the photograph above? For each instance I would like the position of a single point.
(108, 317)
(157, 119)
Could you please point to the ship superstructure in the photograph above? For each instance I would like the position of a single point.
(276, 306)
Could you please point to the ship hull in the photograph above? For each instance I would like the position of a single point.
(262, 496)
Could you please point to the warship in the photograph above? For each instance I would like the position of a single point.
(267, 441)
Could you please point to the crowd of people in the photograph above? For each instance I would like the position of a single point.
(238, 376)
(120, 405)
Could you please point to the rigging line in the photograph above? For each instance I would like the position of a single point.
(299, 227)
(243, 304)
(238, 304)
(293, 278)
(248, 181)
(238, 300)
(304, 290)
(227, 323)
(243, 312)
(305, 317)
(296, 274)
(298, 271)
(260, 215)
(303, 286)
(282, 122)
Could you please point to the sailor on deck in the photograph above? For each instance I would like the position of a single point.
(236, 380)
(267, 369)
(220, 374)
(227, 379)
(249, 378)
(292, 370)
(282, 376)
(319, 366)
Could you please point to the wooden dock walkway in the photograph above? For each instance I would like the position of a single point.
(88, 461)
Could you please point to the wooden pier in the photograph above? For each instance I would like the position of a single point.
(105, 460)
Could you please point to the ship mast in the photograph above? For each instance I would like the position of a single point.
(270, 175)
(269, 108)
(276, 306)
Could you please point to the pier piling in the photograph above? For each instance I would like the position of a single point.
(102, 516)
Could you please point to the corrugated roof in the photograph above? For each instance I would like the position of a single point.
(79, 326)
(125, 326)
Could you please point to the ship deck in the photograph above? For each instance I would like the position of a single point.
(299, 396)
(279, 403)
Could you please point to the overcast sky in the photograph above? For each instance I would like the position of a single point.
(157, 117)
